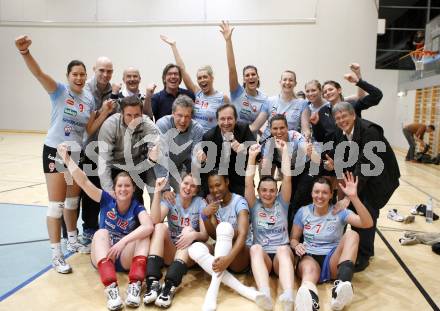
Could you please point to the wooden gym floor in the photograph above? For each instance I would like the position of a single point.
(399, 277)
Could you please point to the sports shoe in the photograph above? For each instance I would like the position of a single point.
(134, 294)
(342, 294)
(166, 296)
(306, 300)
(264, 301)
(394, 215)
(114, 301)
(73, 247)
(60, 265)
(153, 290)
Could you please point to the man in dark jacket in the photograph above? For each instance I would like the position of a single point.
(229, 136)
(375, 166)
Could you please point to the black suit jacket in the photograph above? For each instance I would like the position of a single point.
(372, 190)
(242, 133)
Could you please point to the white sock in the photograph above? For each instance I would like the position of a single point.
(199, 253)
(265, 290)
(223, 246)
(72, 236)
(56, 249)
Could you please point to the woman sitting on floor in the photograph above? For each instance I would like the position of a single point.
(169, 244)
(271, 250)
(327, 253)
(122, 242)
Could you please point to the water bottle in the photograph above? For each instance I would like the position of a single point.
(429, 213)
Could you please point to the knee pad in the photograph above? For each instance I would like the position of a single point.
(55, 209)
(176, 272)
(197, 250)
(137, 269)
(154, 264)
(224, 232)
(72, 203)
(107, 272)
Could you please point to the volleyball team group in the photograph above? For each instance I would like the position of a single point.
(205, 209)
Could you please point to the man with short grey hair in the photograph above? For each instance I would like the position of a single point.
(376, 169)
(180, 135)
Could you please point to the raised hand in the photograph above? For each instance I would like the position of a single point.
(350, 187)
(280, 144)
(226, 30)
(153, 154)
(201, 156)
(150, 90)
(23, 43)
(329, 164)
(116, 87)
(254, 150)
(168, 40)
(160, 184)
(351, 77)
(356, 68)
(62, 150)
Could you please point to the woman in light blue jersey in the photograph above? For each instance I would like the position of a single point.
(327, 253)
(287, 104)
(169, 244)
(313, 93)
(73, 112)
(270, 249)
(207, 98)
(250, 102)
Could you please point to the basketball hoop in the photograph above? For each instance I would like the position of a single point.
(419, 56)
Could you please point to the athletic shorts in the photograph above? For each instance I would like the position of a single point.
(52, 163)
(324, 263)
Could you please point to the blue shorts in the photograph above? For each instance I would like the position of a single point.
(324, 263)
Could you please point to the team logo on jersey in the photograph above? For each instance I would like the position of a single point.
(123, 224)
(51, 167)
(331, 227)
(245, 103)
(174, 217)
(67, 130)
(262, 214)
(111, 215)
(70, 102)
(70, 111)
(81, 107)
(307, 226)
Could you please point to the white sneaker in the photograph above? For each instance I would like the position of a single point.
(60, 265)
(85, 249)
(73, 247)
(166, 296)
(306, 300)
(153, 290)
(342, 295)
(114, 301)
(394, 215)
(134, 294)
(264, 301)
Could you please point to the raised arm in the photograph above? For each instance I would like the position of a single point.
(356, 69)
(363, 218)
(98, 117)
(23, 43)
(259, 121)
(179, 61)
(226, 30)
(148, 109)
(249, 190)
(286, 187)
(305, 124)
(374, 94)
(79, 176)
(158, 211)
